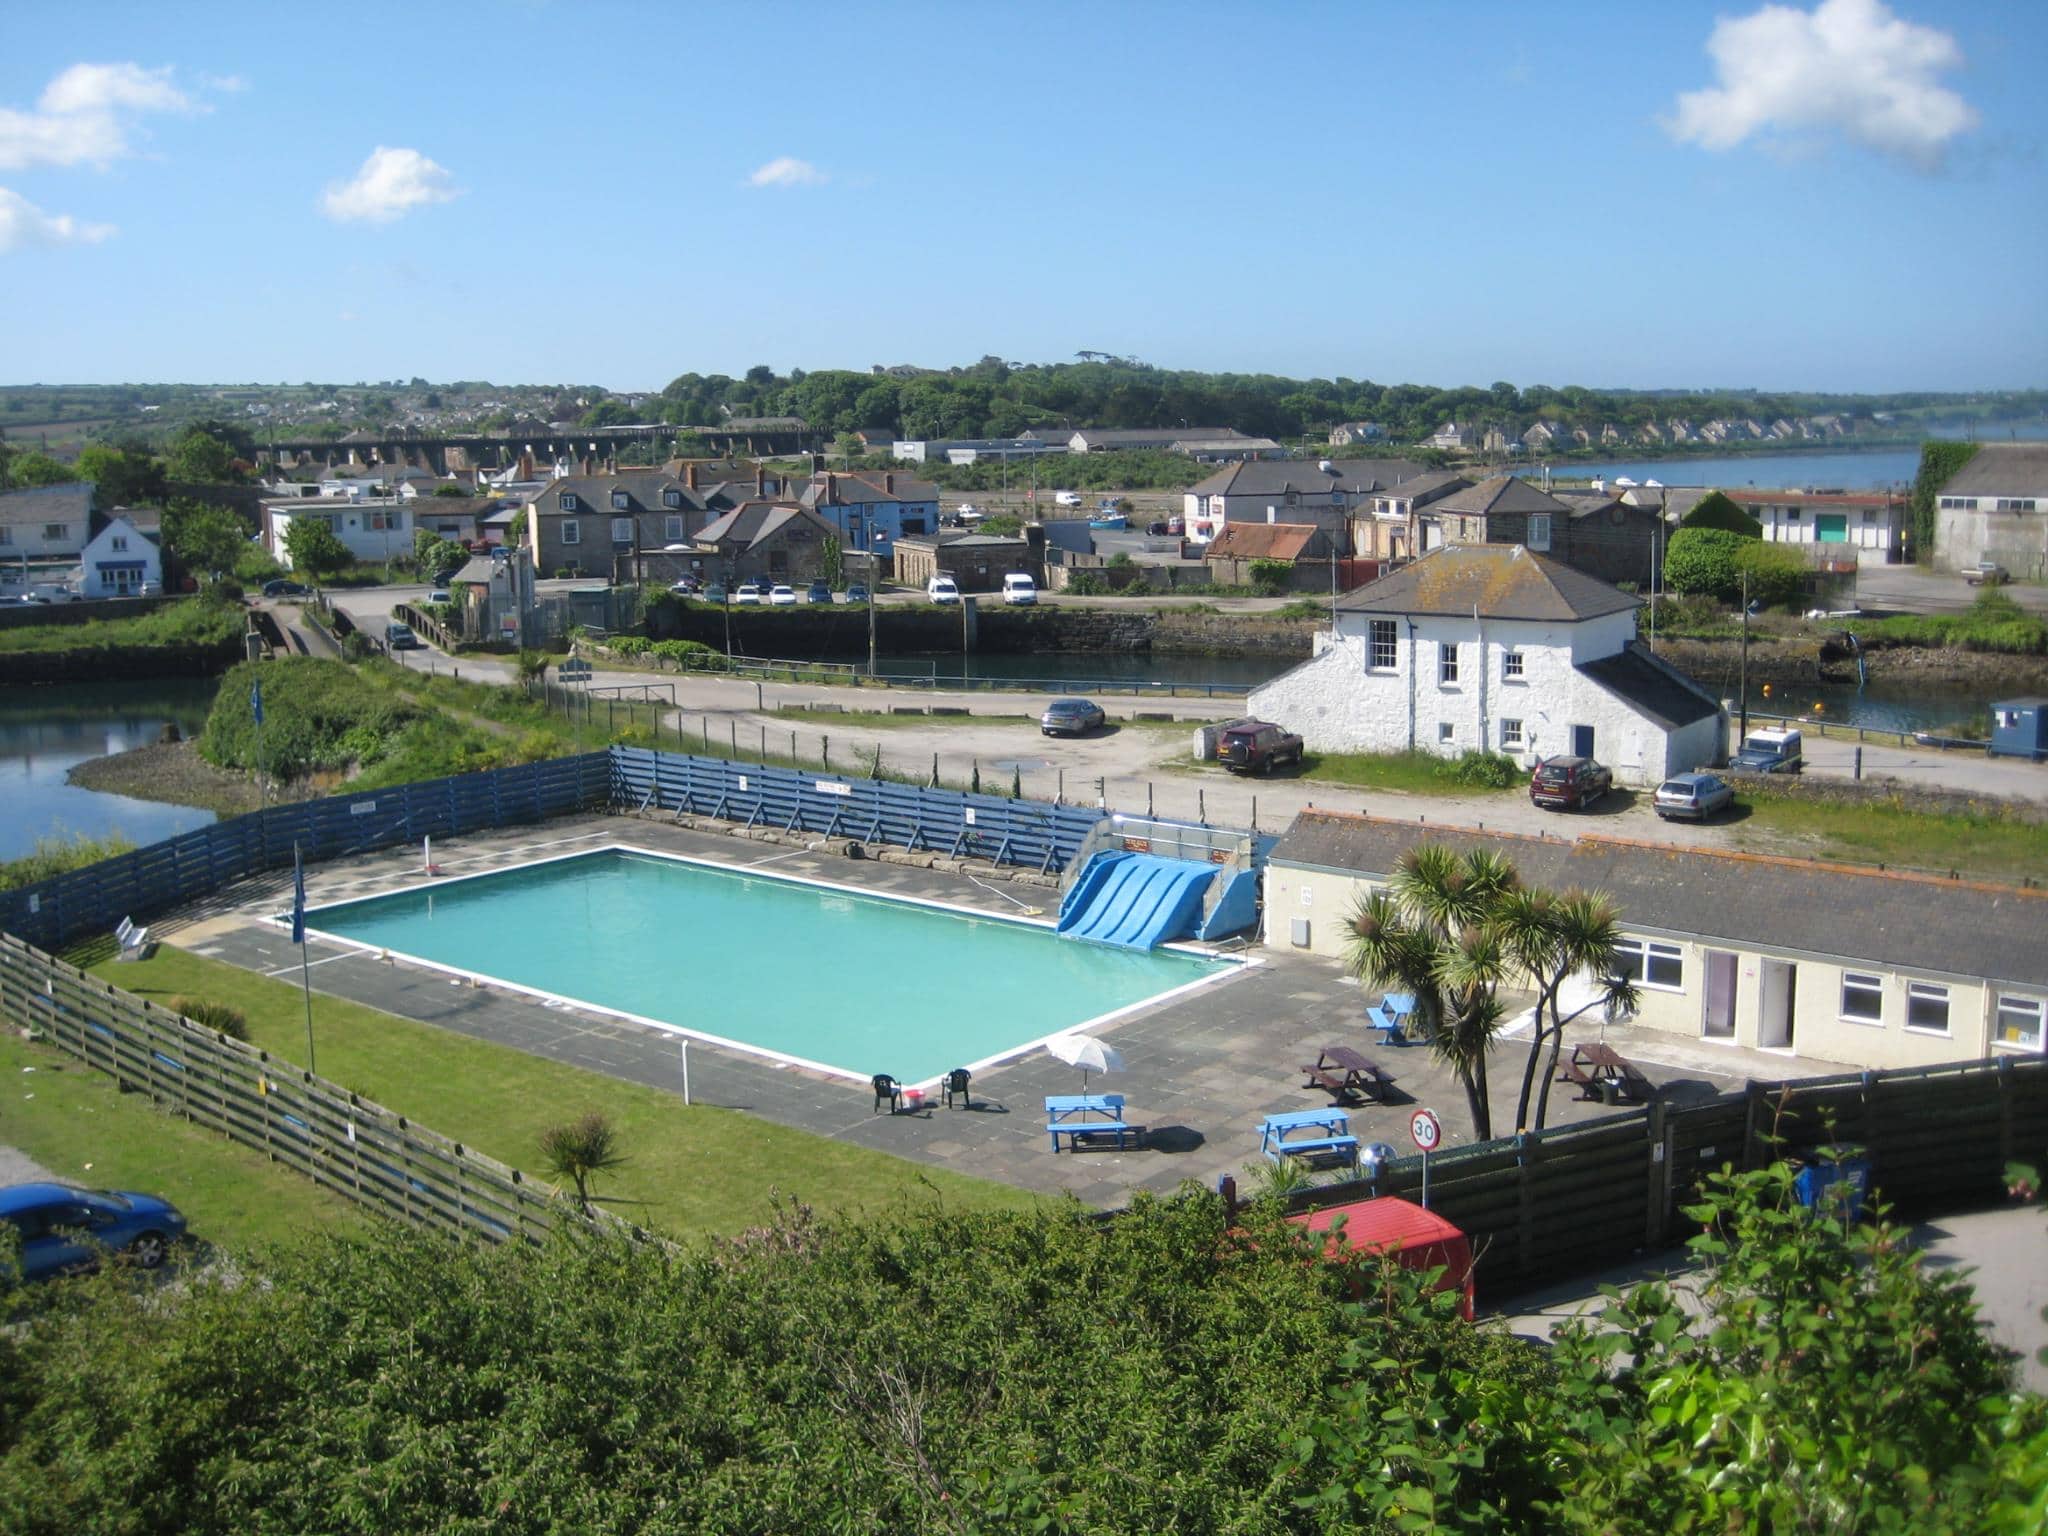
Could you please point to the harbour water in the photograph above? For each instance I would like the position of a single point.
(1847, 469)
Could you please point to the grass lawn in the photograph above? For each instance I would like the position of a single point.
(1418, 773)
(1976, 847)
(77, 1124)
(689, 1171)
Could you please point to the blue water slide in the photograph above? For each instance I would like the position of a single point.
(1135, 900)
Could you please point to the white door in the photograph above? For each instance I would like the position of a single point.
(1719, 1020)
(1777, 995)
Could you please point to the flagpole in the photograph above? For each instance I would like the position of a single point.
(299, 933)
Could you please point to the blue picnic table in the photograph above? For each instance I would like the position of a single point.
(1390, 1016)
(1072, 1115)
(1278, 1138)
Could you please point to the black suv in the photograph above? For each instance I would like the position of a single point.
(1569, 783)
(1257, 746)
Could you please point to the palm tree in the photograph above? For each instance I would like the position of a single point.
(1554, 938)
(1437, 932)
(581, 1150)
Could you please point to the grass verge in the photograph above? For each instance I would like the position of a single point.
(690, 1171)
(77, 1124)
(1975, 847)
(1415, 773)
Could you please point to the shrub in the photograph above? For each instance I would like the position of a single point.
(57, 855)
(629, 645)
(1776, 572)
(1702, 560)
(218, 1017)
(1303, 608)
(533, 665)
(1088, 584)
(681, 652)
(1481, 770)
(1716, 510)
(1271, 576)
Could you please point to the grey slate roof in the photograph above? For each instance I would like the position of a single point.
(852, 488)
(1909, 922)
(1152, 437)
(1657, 692)
(755, 522)
(1503, 581)
(65, 503)
(1276, 477)
(1428, 483)
(2002, 469)
(1502, 493)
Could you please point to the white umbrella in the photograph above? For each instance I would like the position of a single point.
(1087, 1053)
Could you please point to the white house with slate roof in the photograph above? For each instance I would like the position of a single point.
(1864, 967)
(1325, 493)
(1490, 647)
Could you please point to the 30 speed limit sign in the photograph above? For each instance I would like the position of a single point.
(1425, 1129)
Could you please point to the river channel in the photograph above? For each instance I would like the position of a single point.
(45, 732)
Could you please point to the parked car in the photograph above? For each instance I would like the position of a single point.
(749, 592)
(1070, 717)
(25, 600)
(1156, 530)
(1066, 498)
(1692, 797)
(1257, 746)
(1773, 751)
(1019, 590)
(857, 592)
(686, 586)
(64, 1228)
(399, 637)
(942, 590)
(284, 588)
(967, 509)
(818, 592)
(1569, 783)
(715, 593)
(1986, 573)
(782, 595)
(440, 594)
(150, 589)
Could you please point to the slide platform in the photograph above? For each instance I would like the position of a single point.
(1135, 900)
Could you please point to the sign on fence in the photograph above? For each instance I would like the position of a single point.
(574, 670)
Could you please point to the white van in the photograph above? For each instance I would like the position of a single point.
(942, 589)
(1019, 590)
(1066, 498)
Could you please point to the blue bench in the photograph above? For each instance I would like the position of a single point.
(1345, 1145)
(1388, 1023)
(1067, 1115)
(1075, 1130)
(1336, 1138)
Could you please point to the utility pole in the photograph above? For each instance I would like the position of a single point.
(874, 583)
(1742, 730)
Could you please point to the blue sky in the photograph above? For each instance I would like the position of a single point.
(1841, 196)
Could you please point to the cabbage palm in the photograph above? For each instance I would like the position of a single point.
(1435, 932)
(1553, 938)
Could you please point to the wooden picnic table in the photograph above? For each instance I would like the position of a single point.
(1068, 1115)
(1344, 1073)
(1598, 1068)
(1335, 1141)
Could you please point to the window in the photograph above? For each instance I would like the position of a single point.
(1862, 998)
(572, 533)
(2019, 1021)
(672, 529)
(622, 531)
(6, 535)
(671, 498)
(1444, 732)
(1539, 530)
(1653, 965)
(1791, 514)
(121, 542)
(1927, 1007)
(621, 502)
(1446, 664)
(381, 522)
(1511, 735)
(566, 501)
(2008, 504)
(1381, 652)
(56, 533)
(1511, 666)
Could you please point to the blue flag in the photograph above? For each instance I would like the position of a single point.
(298, 899)
(256, 700)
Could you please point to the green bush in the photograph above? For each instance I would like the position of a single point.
(1776, 572)
(1481, 770)
(60, 855)
(1271, 577)
(218, 1017)
(684, 652)
(1703, 561)
(628, 645)
(316, 713)
(1088, 584)
(194, 621)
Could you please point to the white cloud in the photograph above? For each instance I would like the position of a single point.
(1848, 66)
(787, 171)
(391, 183)
(23, 224)
(85, 113)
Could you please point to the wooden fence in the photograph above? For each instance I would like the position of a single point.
(342, 1141)
(1564, 1201)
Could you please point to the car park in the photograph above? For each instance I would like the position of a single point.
(63, 1228)
(1770, 751)
(284, 588)
(782, 596)
(818, 592)
(1257, 746)
(749, 592)
(1692, 797)
(399, 637)
(942, 590)
(1070, 717)
(1569, 783)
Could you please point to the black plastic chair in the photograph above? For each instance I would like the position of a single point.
(886, 1089)
(956, 1082)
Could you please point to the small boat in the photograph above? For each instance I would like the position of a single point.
(1109, 520)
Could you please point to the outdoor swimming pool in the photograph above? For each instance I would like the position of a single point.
(820, 975)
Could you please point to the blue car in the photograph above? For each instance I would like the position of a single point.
(63, 1228)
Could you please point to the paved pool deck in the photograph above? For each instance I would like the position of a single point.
(1201, 1070)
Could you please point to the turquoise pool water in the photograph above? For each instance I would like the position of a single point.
(827, 977)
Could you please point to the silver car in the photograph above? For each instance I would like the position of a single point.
(1692, 797)
(1070, 717)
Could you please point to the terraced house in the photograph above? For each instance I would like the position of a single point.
(619, 525)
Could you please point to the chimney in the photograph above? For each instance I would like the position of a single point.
(889, 483)
(760, 481)
(690, 474)
(831, 489)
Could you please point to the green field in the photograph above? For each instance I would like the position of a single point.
(695, 1171)
(1975, 847)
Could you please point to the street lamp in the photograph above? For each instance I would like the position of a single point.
(1742, 684)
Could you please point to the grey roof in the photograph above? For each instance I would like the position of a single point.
(1502, 493)
(752, 523)
(478, 570)
(1140, 437)
(844, 488)
(1909, 922)
(646, 491)
(1656, 691)
(1429, 483)
(962, 538)
(48, 503)
(1276, 477)
(2002, 469)
(1503, 581)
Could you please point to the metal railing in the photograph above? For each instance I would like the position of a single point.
(1833, 728)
